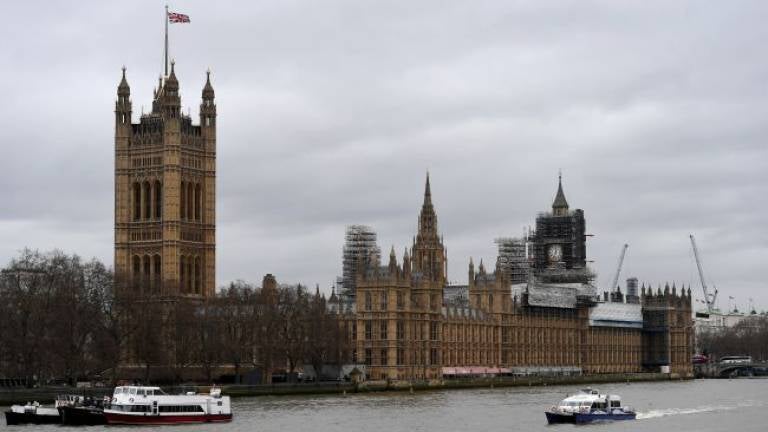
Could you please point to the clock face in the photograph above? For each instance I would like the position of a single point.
(555, 253)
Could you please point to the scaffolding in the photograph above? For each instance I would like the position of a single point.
(513, 258)
(360, 253)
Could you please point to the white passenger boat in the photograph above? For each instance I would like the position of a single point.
(150, 405)
(589, 406)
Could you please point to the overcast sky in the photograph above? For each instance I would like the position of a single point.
(330, 113)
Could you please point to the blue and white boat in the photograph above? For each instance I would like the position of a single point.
(589, 406)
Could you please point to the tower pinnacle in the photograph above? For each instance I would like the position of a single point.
(560, 205)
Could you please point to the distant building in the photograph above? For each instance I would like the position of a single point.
(408, 323)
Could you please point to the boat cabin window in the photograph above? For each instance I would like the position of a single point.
(181, 408)
(132, 391)
(141, 392)
(598, 405)
(615, 404)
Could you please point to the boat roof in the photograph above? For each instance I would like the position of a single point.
(589, 395)
(139, 387)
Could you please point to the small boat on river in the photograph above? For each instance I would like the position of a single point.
(82, 410)
(32, 413)
(589, 406)
(152, 406)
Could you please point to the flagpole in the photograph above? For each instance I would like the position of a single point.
(166, 39)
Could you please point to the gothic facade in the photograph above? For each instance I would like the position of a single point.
(402, 326)
(165, 195)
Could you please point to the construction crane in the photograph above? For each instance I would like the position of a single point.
(709, 299)
(618, 268)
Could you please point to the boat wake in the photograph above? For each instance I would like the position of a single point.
(680, 411)
(702, 409)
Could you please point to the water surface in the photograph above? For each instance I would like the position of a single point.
(703, 405)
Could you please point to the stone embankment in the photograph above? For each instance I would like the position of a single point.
(48, 394)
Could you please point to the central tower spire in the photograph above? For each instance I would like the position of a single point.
(428, 251)
(427, 217)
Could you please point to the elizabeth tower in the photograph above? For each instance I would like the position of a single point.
(165, 195)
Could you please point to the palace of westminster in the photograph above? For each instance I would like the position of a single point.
(538, 310)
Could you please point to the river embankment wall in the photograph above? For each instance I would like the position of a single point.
(10, 396)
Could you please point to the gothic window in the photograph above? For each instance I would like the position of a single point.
(147, 270)
(383, 302)
(190, 264)
(157, 271)
(183, 201)
(368, 356)
(182, 274)
(197, 275)
(433, 330)
(383, 357)
(400, 356)
(400, 330)
(136, 201)
(198, 204)
(400, 300)
(490, 300)
(190, 201)
(147, 201)
(368, 330)
(368, 301)
(158, 200)
(136, 268)
(383, 330)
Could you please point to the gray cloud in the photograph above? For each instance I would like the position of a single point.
(331, 112)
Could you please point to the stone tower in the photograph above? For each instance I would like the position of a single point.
(165, 195)
(428, 252)
(560, 243)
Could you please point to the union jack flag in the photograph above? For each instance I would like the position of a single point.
(174, 17)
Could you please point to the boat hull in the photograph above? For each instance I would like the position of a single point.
(82, 416)
(556, 417)
(114, 418)
(16, 418)
(579, 418)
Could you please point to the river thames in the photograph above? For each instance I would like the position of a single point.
(703, 405)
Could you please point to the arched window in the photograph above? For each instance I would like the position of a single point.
(182, 274)
(147, 271)
(147, 201)
(136, 268)
(136, 201)
(182, 201)
(157, 271)
(190, 201)
(197, 275)
(190, 264)
(198, 201)
(158, 199)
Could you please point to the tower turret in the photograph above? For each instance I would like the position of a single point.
(169, 99)
(392, 262)
(406, 264)
(123, 109)
(471, 272)
(208, 107)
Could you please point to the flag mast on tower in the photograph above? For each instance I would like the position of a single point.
(166, 40)
(173, 18)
